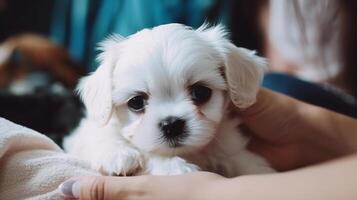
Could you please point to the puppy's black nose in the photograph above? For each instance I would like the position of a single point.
(172, 127)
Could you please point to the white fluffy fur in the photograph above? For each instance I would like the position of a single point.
(162, 62)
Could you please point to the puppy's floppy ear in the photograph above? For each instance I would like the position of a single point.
(243, 70)
(96, 89)
(244, 73)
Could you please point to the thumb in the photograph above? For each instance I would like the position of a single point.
(89, 188)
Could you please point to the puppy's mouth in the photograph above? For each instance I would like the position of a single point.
(176, 142)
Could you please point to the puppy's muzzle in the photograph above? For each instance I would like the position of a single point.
(173, 130)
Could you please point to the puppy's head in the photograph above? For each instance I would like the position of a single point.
(168, 86)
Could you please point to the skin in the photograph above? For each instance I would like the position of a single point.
(293, 134)
(279, 137)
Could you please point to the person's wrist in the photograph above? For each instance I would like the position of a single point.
(225, 189)
(209, 189)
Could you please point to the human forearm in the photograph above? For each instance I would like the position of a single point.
(292, 134)
(339, 129)
(276, 110)
(329, 181)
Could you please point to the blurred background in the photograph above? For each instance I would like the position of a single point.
(47, 45)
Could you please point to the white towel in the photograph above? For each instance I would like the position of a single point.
(32, 166)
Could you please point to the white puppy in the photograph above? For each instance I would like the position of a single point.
(158, 104)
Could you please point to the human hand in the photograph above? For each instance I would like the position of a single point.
(188, 186)
(292, 134)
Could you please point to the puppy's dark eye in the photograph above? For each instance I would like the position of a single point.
(137, 103)
(200, 94)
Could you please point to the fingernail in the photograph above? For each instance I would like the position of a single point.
(66, 188)
(76, 188)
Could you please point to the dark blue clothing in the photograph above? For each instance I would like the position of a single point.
(320, 95)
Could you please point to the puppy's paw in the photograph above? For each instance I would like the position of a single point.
(124, 162)
(183, 168)
(170, 166)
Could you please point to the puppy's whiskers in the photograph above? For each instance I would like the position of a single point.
(159, 141)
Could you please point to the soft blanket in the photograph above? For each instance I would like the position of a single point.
(32, 166)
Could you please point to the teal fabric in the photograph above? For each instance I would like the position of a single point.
(59, 19)
(78, 28)
(81, 24)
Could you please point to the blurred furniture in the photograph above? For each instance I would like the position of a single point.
(26, 54)
(51, 114)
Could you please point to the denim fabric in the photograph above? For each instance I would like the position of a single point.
(320, 95)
